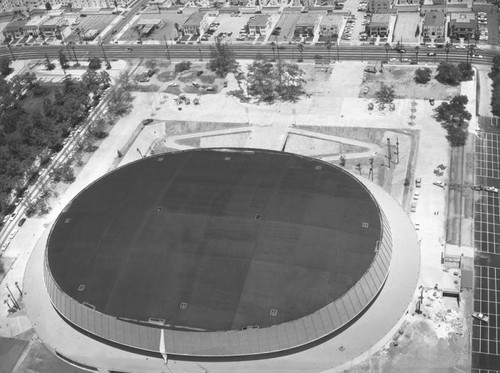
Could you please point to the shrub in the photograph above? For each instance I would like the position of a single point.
(422, 76)
(182, 66)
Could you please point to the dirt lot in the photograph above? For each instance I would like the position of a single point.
(401, 78)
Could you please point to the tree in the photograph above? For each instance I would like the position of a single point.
(182, 66)
(49, 65)
(5, 68)
(105, 79)
(151, 65)
(261, 82)
(63, 60)
(448, 74)
(423, 76)
(385, 94)
(48, 6)
(301, 50)
(466, 71)
(95, 63)
(120, 102)
(291, 80)
(222, 59)
(417, 31)
(91, 80)
(328, 46)
(454, 118)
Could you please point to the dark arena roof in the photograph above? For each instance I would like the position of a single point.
(216, 239)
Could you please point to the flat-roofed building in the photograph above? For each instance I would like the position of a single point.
(24, 5)
(307, 23)
(434, 25)
(463, 25)
(260, 24)
(379, 6)
(31, 27)
(148, 25)
(14, 30)
(197, 23)
(330, 25)
(52, 26)
(379, 24)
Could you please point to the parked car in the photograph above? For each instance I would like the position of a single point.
(491, 189)
(146, 121)
(481, 317)
(439, 184)
(13, 234)
(196, 85)
(418, 182)
(5, 245)
(21, 222)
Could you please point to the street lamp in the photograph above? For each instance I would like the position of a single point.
(10, 50)
(447, 50)
(71, 44)
(166, 47)
(108, 65)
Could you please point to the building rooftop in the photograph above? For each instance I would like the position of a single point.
(463, 17)
(380, 19)
(434, 19)
(194, 19)
(233, 234)
(259, 20)
(332, 19)
(307, 19)
(36, 21)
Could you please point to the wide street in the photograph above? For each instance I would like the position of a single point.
(287, 51)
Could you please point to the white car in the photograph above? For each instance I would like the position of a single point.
(477, 56)
(439, 184)
(416, 195)
(13, 234)
(173, 85)
(5, 245)
(481, 317)
(491, 189)
(13, 216)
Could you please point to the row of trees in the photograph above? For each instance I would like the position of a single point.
(495, 92)
(266, 81)
(28, 130)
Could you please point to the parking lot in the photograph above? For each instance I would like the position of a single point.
(485, 348)
(166, 30)
(91, 22)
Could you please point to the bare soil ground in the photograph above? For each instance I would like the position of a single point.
(401, 78)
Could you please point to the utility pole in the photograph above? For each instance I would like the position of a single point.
(108, 65)
(166, 47)
(397, 150)
(13, 298)
(11, 53)
(389, 155)
(370, 173)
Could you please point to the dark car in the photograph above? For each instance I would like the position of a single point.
(21, 222)
(146, 121)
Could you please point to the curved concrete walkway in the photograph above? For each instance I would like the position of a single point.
(373, 330)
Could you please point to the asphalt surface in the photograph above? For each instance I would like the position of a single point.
(216, 240)
(286, 52)
(485, 336)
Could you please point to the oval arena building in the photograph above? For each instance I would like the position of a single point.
(219, 253)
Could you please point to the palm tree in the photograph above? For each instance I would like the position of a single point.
(416, 53)
(387, 47)
(447, 50)
(328, 46)
(301, 50)
(273, 47)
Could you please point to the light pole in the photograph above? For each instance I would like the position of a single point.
(338, 53)
(10, 50)
(71, 44)
(18, 288)
(416, 53)
(166, 48)
(447, 50)
(328, 46)
(13, 298)
(108, 65)
(387, 47)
